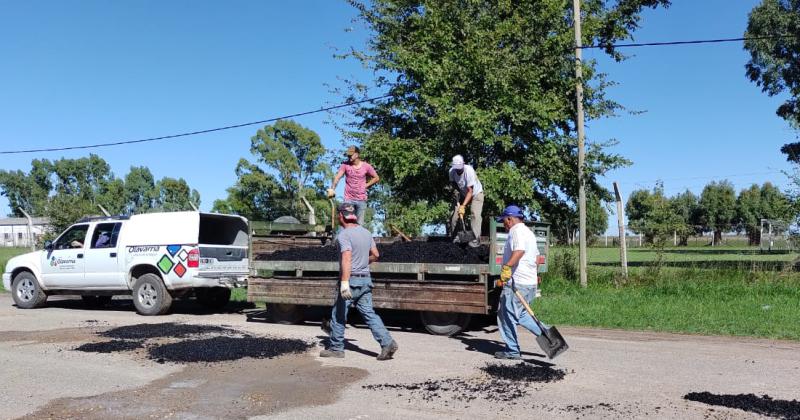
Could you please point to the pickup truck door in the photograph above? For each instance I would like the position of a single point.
(63, 264)
(102, 260)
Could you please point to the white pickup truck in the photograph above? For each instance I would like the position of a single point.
(155, 257)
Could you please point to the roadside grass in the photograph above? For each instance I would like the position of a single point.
(732, 291)
(5, 255)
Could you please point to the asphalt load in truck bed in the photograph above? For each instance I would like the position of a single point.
(398, 252)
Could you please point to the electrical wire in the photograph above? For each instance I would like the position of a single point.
(691, 42)
(192, 133)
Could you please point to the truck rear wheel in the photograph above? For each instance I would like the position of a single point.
(150, 296)
(444, 323)
(213, 297)
(26, 291)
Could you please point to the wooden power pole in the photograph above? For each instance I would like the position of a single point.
(623, 247)
(579, 123)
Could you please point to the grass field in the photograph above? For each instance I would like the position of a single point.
(726, 291)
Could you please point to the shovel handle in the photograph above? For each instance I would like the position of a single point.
(526, 305)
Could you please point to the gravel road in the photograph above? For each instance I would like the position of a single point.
(605, 374)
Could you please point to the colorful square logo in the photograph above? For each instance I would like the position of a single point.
(173, 249)
(183, 254)
(180, 269)
(165, 264)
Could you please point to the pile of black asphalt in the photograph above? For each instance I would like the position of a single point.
(438, 252)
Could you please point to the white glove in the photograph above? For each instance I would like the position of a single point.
(344, 289)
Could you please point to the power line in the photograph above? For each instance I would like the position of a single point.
(691, 42)
(192, 133)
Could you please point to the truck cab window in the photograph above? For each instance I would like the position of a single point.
(74, 237)
(105, 235)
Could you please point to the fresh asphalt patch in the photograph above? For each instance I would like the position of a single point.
(498, 383)
(221, 349)
(190, 343)
(764, 405)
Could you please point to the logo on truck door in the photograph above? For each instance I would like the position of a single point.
(63, 263)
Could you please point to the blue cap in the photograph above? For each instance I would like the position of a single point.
(511, 211)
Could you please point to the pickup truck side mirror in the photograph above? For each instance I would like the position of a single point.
(48, 245)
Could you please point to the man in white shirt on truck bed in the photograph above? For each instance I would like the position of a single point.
(470, 192)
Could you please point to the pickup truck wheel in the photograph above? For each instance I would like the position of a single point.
(283, 313)
(444, 323)
(150, 296)
(214, 297)
(26, 291)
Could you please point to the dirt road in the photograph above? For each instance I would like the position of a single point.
(606, 374)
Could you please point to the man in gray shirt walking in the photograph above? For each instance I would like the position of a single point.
(357, 250)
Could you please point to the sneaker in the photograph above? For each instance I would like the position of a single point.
(507, 356)
(388, 351)
(332, 353)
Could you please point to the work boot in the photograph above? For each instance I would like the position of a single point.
(332, 353)
(388, 351)
(506, 355)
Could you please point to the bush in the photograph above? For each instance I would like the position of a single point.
(563, 263)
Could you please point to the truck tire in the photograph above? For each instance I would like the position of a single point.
(213, 297)
(26, 291)
(444, 323)
(283, 313)
(150, 296)
(93, 301)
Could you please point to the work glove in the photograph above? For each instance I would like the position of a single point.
(331, 193)
(505, 276)
(462, 210)
(344, 289)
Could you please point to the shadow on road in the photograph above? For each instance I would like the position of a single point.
(125, 304)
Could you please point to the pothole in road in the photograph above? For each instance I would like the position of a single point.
(764, 405)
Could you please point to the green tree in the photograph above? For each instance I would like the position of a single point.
(687, 206)
(490, 80)
(774, 47)
(756, 203)
(718, 209)
(293, 165)
(28, 191)
(175, 195)
(140, 190)
(653, 215)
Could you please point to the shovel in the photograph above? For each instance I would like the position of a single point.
(551, 341)
(465, 236)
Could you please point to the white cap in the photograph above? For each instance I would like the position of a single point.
(458, 162)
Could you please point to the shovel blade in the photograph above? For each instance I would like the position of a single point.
(552, 342)
(465, 237)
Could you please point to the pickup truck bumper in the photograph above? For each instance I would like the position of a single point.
(7, 281)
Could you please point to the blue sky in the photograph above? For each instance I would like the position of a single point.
(95, 71)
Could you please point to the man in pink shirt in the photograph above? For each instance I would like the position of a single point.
(356, 184)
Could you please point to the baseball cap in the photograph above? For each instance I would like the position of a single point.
(511, 211)
(352, 150)
(348, 211)
(458, 162)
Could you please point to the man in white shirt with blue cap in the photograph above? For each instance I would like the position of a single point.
(519, 271)
(470, 192)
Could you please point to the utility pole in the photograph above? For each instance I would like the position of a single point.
(576, 6)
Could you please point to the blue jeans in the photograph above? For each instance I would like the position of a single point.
(361, 210)
(362, 297)
(511, 313)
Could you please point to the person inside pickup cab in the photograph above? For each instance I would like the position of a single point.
(103, 240)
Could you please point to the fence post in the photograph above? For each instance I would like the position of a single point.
(623, 251)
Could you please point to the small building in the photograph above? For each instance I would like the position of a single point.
(14, 231)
